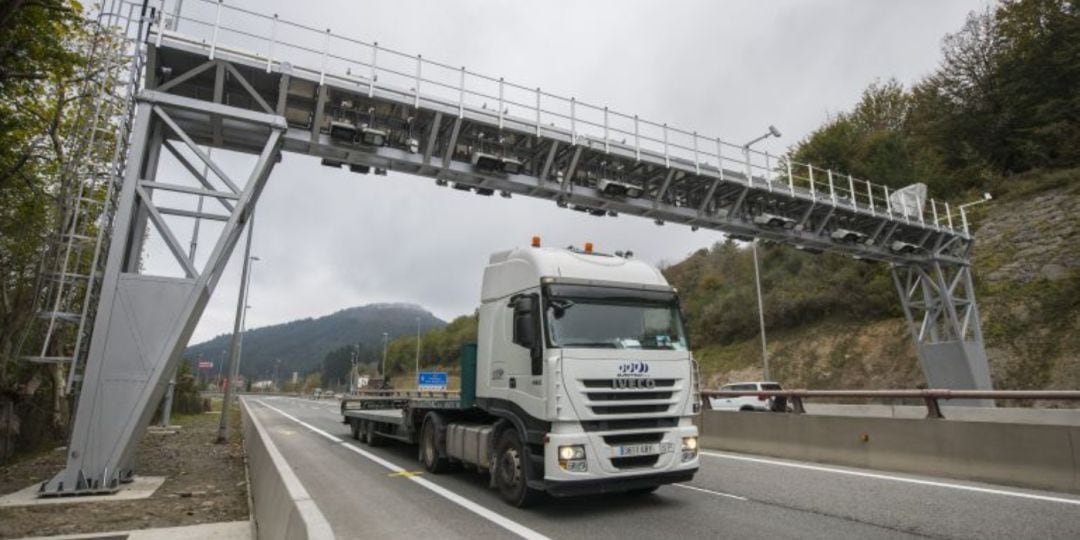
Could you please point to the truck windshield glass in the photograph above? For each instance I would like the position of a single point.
(614, 322)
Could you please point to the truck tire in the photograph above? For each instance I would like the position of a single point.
(355, 426)
(509, 472)
(431, 434)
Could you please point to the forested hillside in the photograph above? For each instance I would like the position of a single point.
(302, 345)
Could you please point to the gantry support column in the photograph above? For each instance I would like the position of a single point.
(943, 318)
(144, 321)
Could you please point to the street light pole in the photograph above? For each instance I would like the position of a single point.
(234, 356)
(963, 209)
(761, 315)
(773, 132)
(418, 352)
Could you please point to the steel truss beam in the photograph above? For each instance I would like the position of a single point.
(557, 165)
(144, 321)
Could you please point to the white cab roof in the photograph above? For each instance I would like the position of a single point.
(512, 271)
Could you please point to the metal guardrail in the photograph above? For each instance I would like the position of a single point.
(370, 65)
(403, 394)
(930, 397)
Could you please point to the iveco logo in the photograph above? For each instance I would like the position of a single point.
(633, 383)
(633, 368)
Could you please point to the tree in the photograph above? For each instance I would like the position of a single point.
(45, 76)
(337, 365)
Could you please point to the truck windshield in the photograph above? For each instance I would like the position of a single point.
(613, 319)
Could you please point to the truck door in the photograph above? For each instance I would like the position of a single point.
(522, 330)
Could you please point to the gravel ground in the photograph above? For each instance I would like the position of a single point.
(205, 483)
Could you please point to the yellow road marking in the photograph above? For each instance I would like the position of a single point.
(406, 474)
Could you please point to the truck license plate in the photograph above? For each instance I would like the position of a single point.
(631, 450)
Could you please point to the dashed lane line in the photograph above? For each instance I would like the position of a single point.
(711, 492)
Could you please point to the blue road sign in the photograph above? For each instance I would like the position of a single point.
(431, 380)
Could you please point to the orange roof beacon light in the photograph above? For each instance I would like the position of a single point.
(536, 241)
(588, 247)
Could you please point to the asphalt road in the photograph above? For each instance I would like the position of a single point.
(369, 492)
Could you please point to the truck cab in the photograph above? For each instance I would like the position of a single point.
(585, 355)
(581, 382)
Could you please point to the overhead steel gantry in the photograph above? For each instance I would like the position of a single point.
(219, 76)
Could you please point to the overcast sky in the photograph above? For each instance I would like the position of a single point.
(329, 239)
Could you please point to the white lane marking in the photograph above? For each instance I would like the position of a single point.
(877, 476)
(477, 509)
(318, 526)
(711, 492)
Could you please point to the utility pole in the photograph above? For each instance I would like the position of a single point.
(418, 352)
(352, 369)
(761, 315)
(234, 356)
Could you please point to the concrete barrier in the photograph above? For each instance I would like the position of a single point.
(1024, 455)
(283, 508)
(1009, 415)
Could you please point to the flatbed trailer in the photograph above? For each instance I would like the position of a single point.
(376, 416)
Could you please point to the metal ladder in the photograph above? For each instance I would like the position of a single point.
(73, 263)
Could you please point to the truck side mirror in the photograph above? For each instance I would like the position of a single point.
(524, 323)
(527, 328)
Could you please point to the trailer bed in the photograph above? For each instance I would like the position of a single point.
(395, 414)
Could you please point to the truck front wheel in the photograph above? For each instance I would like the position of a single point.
(429, 445)
(510, 471)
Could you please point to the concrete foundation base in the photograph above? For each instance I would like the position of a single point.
(140, 488)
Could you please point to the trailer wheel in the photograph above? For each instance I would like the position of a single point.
(362, 427)
(510, 471)
(370, 437)
(355, 426)
(429, 445)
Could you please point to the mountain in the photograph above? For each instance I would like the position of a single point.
(302, 344)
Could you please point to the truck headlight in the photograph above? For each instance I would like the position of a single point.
(689, 448)
(567, 453)
(572, 458)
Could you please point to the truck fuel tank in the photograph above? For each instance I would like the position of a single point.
(469, 443)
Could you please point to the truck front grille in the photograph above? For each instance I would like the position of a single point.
(628, 424)
(634, 462)
(633, 438)
(630, 396)
(629, 409)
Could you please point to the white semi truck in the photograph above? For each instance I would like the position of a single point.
(581, 382)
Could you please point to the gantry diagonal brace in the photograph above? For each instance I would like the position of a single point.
(144, 321)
